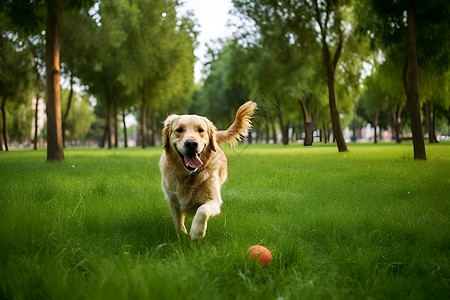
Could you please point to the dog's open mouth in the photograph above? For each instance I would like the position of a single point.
(191, 161)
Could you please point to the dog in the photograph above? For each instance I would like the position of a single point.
(194, 167)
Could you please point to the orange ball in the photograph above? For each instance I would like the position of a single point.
(261, 253)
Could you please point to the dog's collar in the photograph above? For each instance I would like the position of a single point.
(195, 173)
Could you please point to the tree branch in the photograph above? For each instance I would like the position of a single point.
(338, 51)
(326, 51)
(306, 115)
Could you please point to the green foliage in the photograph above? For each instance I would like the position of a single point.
(80, 118)
(435, 88)
(370, 223)
(136, 50)
(281, 56)
(16, 77)
(123, 51)
(155, 51)
(374, 99)
(19, 122)
(385, 23)
(16, 85)
(288, 54)
(225, 87)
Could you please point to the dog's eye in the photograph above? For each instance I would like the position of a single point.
(201, 130)
(179, 130)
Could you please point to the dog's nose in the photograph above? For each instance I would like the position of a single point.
(191, 145)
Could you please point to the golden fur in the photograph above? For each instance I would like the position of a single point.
(194, 167)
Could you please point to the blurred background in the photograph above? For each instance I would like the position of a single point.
(320, 71)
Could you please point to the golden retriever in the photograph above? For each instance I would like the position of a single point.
(194, 167)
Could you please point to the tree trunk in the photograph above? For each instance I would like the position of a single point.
(55, 148)
(107, 132)
(433, 138)
(380, 137)
(4, 130)
(309, 138)
(116, 130)
(103, 141)
(36, 114)
(108, 123)
(429, 122)
(66, 114)
(283, 128)
(1, 135)
(375, 125)
(153, 121)
(330, 64)
(326, 135)
(396, 113)
(144, 118)
(309, 125)
(267, 131)
(274, 131)
(125, 136)
(411, 83)
(335, 119)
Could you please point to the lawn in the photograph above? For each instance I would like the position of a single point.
(369, 223)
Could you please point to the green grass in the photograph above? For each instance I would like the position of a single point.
(369, 223)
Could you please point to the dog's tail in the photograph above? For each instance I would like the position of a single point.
(241, 123)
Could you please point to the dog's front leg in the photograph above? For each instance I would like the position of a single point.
(178, 217)
(204, 212)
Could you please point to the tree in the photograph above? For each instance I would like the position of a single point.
(153, 56)
(15, 75)
(139, 58)
(80, 119)
(435, 93)
(386, 79)
(308, 87)
(270, 75)
(96, 61)
(433, 50)
(329, 17)
(37, 47)
(19, 123)
(76, 26)
(28, 16)
(55, 147)
(421, 30)
(288, 25)
(411, 83)
(171, 90)
(275, 56)
(372, 104)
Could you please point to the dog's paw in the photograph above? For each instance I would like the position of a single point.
(197, 233)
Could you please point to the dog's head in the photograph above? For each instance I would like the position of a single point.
(191, 137)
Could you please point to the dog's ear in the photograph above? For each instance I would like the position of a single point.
(167, 130)
(212, 135)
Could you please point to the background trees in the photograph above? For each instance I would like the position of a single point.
(144, 59)
(79, 120)
(15, 85)
(307, 63)
(31, 18)
(123, 53)
(291, 34)
(414, 29)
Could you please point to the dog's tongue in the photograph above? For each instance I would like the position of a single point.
(193, 161)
